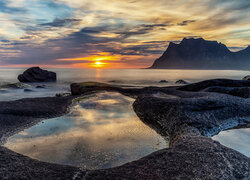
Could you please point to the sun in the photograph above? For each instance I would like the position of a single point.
(98, 63)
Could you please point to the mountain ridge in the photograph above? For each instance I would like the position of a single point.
(198, 53)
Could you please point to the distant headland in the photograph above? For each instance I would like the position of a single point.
(202, 54)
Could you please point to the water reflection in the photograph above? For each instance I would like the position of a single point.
(237, 139)
(100, 132)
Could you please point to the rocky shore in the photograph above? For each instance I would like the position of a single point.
(190, 115)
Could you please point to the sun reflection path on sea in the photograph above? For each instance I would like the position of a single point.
(100, 132)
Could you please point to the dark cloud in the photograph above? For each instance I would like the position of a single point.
(62, 23)
(84, 42)
(141, 29)
(186, 22)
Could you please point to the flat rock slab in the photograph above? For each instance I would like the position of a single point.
(215, 82)
(17, 166)
(210, 114)
(192, 158)
(17, 114)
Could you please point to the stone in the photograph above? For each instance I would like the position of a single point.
(40, 86)
(15, 86)
(243, 92)
(181, 82)
(163, 81)
(246, 77)
(27, 90)
(214, 82)
(36, 74)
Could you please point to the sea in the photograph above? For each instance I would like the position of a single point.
(126, 77)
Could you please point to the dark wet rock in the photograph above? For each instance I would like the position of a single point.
(209, 114)
(115, 81)
(17, 114)
(191, 158)
(215, 82)
(90, 87)
(27, 90)
(15, 86)
(35, 107)
(36, 74)
(181, 82)
(81, 88)
(163, 81)
(17, 166)
(63, 94)
(246, 77)
(41, 86)
(243, 92)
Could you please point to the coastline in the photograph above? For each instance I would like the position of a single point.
(176, 115)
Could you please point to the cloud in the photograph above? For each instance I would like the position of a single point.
(62, 23)
(186, 22)
(42, 31)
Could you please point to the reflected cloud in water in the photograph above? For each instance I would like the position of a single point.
(99, 132)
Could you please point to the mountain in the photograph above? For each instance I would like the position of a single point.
(202, 54)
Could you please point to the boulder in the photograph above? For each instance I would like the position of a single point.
(15, 86)
(84, 87)
(214, 82)
(246, 77)
(36, 74)
(163, 81)
(181, 82)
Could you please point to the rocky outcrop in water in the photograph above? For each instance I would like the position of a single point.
(181, 82)
(201, 54)
(36, 74)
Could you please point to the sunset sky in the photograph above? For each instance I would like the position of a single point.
(113, 33)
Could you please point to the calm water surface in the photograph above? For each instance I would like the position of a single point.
(100, 132)
(237, 139)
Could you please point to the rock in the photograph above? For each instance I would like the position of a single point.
(40, 86)
(181, 82)
(36, 74)
(191, 158)
(163, 81)
(214, 82)
(27, 90)
(62, 94)
(17, 166)
(15, 86)
(84, 87)
(246, 77)
(210, 113)
(243, 92)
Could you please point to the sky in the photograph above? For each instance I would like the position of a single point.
(113, 33)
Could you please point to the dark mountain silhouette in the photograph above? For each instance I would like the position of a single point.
(201, 54)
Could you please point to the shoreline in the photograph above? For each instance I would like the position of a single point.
(189, 118)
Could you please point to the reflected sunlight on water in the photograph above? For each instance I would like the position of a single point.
(100, 132)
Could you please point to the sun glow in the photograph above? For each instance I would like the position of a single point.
(98, 64)
(101, 60)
